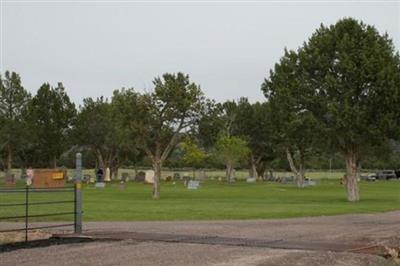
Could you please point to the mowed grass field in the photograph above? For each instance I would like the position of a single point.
(215, 200)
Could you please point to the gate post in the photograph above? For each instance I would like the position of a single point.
(78, 195)
(26, 212)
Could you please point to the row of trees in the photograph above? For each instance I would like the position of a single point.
(339, 93)
(35, 129)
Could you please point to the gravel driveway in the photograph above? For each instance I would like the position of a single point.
(365, 230)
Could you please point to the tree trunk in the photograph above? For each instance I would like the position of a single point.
(253, 167)
(260, 168)
(9, 162)
(260, 172)
(299, 173)
(157, 177)
(54, 161)
(229, 169)
(351, 176)
(114, 173)
(300, 177)
(100, 160)
(136, 170)
(271, 173)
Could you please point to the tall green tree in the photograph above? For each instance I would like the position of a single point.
(161, 117)
(125, 139)
(211, 125)
(51, 115)
(193, 155)
(231, 150)
(94, 130)
(13, 103)
(250, 122)
(253, 123)
(297, 130)
(349, 80)
(353, 76)
(99, 128)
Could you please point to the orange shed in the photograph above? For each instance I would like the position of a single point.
(49, 178)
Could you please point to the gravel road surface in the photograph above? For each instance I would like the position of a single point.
(365, 230)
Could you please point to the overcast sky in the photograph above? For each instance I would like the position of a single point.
(226, 47)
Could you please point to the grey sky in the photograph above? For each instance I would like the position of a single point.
(227, 48)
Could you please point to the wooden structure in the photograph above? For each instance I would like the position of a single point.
(49, 178)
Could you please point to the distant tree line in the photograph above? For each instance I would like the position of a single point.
(333, 103)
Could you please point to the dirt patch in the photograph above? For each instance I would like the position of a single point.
(14, 237)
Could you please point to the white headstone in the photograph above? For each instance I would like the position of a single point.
(100, 185)
(250, 179)
(149, 177)
(309, 182)
(29, 176)
(193, 184)
(107, 177)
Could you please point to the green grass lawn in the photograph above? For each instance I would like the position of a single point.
(218, 200)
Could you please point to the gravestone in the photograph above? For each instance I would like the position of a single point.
(99, 175)
(288, 179)
(149, 177)
(107, 176)
(100, 185)
(193, 185)
(140, 176)
(250, 179)
(10, 180)
(186, 180)
(309, 183)
(29, 176)
(177, 176)
(86, 178)
(121, 186)
(268, 177)
(125, 177)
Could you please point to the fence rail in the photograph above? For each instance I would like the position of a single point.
(27, 191)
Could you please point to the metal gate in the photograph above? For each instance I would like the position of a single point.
(22, 206)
